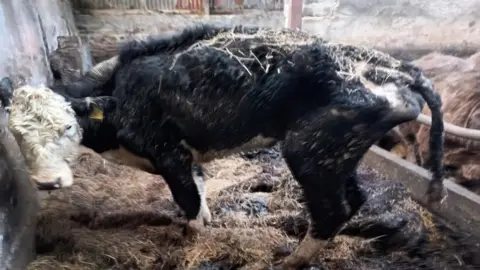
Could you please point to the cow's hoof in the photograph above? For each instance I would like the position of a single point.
(206, 215)
(195, 228)
(294, 262)
(290, 263)
(305, 252)
(297, 260)
(436, 194)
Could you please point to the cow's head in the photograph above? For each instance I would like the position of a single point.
(48, 122)
(48, 128)
(98, 81)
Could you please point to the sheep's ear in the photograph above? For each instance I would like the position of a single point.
(6, 91)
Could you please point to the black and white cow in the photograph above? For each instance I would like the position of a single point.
(210, 91)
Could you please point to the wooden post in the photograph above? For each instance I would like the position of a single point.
(206, 7)
(103, 47)
(294, 13)
(71, 59)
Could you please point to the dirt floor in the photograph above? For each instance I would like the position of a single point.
(117, 218)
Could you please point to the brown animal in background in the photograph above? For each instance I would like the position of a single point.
(457, 81)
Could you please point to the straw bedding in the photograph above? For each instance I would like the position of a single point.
(253, 47)
(115, 217)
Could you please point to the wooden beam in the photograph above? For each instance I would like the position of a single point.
(461, 207)
(294, 13)
(71, 59)
(104, 47)
(206, 7)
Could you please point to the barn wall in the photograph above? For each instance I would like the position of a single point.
(133, 17)
(56, 17)
(29, 29)
(120, 22)
(103, 29)
(194, 6)
(448, 25)
(181, 6)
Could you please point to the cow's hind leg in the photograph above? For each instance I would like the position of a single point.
(324, 183)
(355, 196)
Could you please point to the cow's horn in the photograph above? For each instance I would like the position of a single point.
(103, 70)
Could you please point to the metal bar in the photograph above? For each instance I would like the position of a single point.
(461, 207)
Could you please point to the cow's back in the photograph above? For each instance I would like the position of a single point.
(216, 100)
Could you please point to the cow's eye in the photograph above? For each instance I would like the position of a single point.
(69, 130)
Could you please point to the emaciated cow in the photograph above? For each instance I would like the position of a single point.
(211, 91)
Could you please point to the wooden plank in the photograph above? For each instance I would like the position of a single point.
(71, 60)
(222, 7)
(103, 47)
(294, 14)
(188, 6)
(461, 207)
(206, 7)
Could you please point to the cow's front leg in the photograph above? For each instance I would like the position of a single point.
(187, 186)
(174, 163)
(199, 178)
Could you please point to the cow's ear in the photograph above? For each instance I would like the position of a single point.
(96, 112)
(6, 91)
(101, 105)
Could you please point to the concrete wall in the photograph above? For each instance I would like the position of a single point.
(29, 29)
(448, 25)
